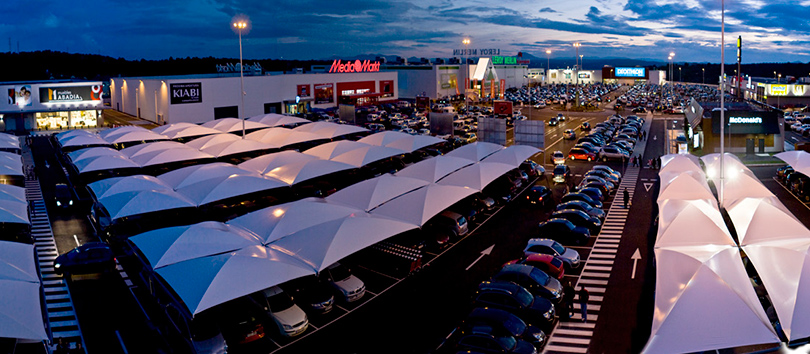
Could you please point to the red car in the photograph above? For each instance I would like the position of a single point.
(581, 154)
(553, 266)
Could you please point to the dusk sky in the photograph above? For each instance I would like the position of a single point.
(772, 31)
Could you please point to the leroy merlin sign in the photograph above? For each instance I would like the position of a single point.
(497, 60)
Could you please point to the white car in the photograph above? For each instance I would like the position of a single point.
(347, 285)
(290, 319)
(554, 248)
(558, 158)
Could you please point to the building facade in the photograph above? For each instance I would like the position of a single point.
(54, 104)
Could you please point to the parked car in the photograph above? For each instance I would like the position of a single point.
(241, 320)
(569, 134)
(581, 154)
(561, 173)
(288, 317)
(564, 231)
(508, 296)
(532, 279)
(608, 169)
(314, 293)
(554, 248)
(502, 322)
(600, 186)
(584, 206)
(605, 175)
(552, 265)
(580, 219)
(583, 197)
(558, 158)
(89, 258)
(539, 195)
(63, 196)
(486, 340)
(450, 221)
(612, 153)
(593, 192)
(344, 282)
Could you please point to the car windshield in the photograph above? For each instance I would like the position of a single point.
(279, 302)
(514, 325)
(556, 262)
(340, 273)
(585, 206)
(203, 328)
(559, 170)
(558, 247)
(507, 342)
(540, 277)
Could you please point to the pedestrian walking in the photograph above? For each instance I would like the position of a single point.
(633, 161)
(640, 160)
(568, 298)
(626, 196)
(583, 302)
(658, 162)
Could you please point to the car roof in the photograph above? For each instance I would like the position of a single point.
(502, 286)
(491, 313)
(517, 268)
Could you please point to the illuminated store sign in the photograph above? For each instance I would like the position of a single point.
(745, 120)
(481, 51)
(584, 75)
(189, 92)
(798, 90)
(70, 94)
(357, 66)
(779, 90)
(498, 60)
(630, 72)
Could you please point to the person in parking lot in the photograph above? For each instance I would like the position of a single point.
(626, 197)
(568, 299)
(584, 296)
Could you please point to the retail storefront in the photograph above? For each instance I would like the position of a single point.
(750, 132)
(52, 105)
(201, 98)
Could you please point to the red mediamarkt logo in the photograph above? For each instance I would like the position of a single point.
(356, 66)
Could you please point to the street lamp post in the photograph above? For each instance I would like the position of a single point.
(720, 193)
(576, 73)
(581, 62)
(704, 75)
(548, 65)
(466, 42)
(778, 81)
(680, 74)
(240, 26)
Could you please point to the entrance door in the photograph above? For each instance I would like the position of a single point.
(761, 146)
(749, 146)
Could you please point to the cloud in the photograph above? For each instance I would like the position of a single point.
(547, 10)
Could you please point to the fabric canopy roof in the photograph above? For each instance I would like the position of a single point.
(332, 149)
(418, 206)
(141, 149)
(476, 151)
(476, 176)
(108, 134)
(92, 152)
(189, 175)
(275, 222)
(170, 155)
(366, 155)
(283, 137)
(684, 187)
(193, 130)
(224, 277)
(798, 159)
(10, 164)
(21, 309)
(324, 244)
(229, 125)
(83, 140)
(704, 301)
(513, 155)
(14, 212)
(369, 194)
(10, 192)
(269, 162)
(433, 169)
(71, 133)
(691, 223)
(224, 144)
(680, 163)
(275, 119)
(172, 245)
(401, 141)
(131, 203)
(680, 158)
(110, 186)
(743, 185)
(169, 128)
(330, 130)
(104, 162)
(219, 188)
(293, 167)
(145, 135)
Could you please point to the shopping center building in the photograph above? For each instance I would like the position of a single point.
(53, 104)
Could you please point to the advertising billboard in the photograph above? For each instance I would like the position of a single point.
(70, 93)
(746, 122)
(448, 80)
(324, 93)
(502, 108)
(187, 92)
(24, 96)
(631, 72)
(303, 91)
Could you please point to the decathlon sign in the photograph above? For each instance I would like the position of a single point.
(630, 72)
(357, 66)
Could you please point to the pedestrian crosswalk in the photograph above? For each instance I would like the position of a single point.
(574, 336)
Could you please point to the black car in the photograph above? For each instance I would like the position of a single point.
(317, 295)
(539, 195)
(605, 175)
(552, 122)
(511, 297)
(585, 126)
(593, 192)
(602, 187)
(534, 280)
(91, 257)
(561, 173)
(581, 205)
(583, 197)
(502, 322)
(484, 340)
(580, 218)
(564, 231)
(63, 196)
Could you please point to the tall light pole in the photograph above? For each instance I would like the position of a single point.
(704, 75)
(576, 73)
(581, 62)
(466, 42)
(671, 74)
(548, 66)
(241, 25)
(680, 74)
(720, 193)
(778, 81)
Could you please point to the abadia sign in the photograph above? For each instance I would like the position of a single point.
(356, 66)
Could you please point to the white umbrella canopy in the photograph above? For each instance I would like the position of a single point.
(92, 152)
(476, 151)
(237, 147)
(764, 219)
(11, 192)
(275, 222)
(192, 174)
(666, 159)
(324, 244)
(418, 206)
(6, 144)
(14, 212)
(414, 142)
(105, 134)
(140, 202)
(283, 136)
(71, 133)
(700, 291)
(369, 194)
(667, 177)
(11, 139)
(176, 244)
(11, 164)
(17, 262)
(146, 148)
(744, 185)
(164, 129)
(330, 130)
(679, 164)
(366, 155)
(275, 119)
(783, 266)
(712, 162)
(82, 140)
(798, 159)
(224, 277)
(145, 135)
(691, 223)
(170, 155)
(104, 162)
(513, 155)
(230, 125)
(384, 138)
(433, 169)
(21, 311)
(223, 187)
(476, 176)
(211, 140)
(110, 186)
(332, 149)
(194, 130)
(266, 163)
(684, 187)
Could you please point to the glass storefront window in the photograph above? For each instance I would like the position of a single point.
(83, 119)
(67, 120)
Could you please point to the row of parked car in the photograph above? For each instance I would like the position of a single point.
(613, 139)
(797, 182)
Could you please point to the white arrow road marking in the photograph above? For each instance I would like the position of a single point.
(635, 257)
(483, 253)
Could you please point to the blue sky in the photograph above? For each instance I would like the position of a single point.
(772, 31)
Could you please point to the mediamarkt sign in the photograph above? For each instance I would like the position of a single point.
(356, 66)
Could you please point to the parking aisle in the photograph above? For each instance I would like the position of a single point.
(574, 336)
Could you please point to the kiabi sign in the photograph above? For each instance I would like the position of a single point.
(189, 92)
(357, 66)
